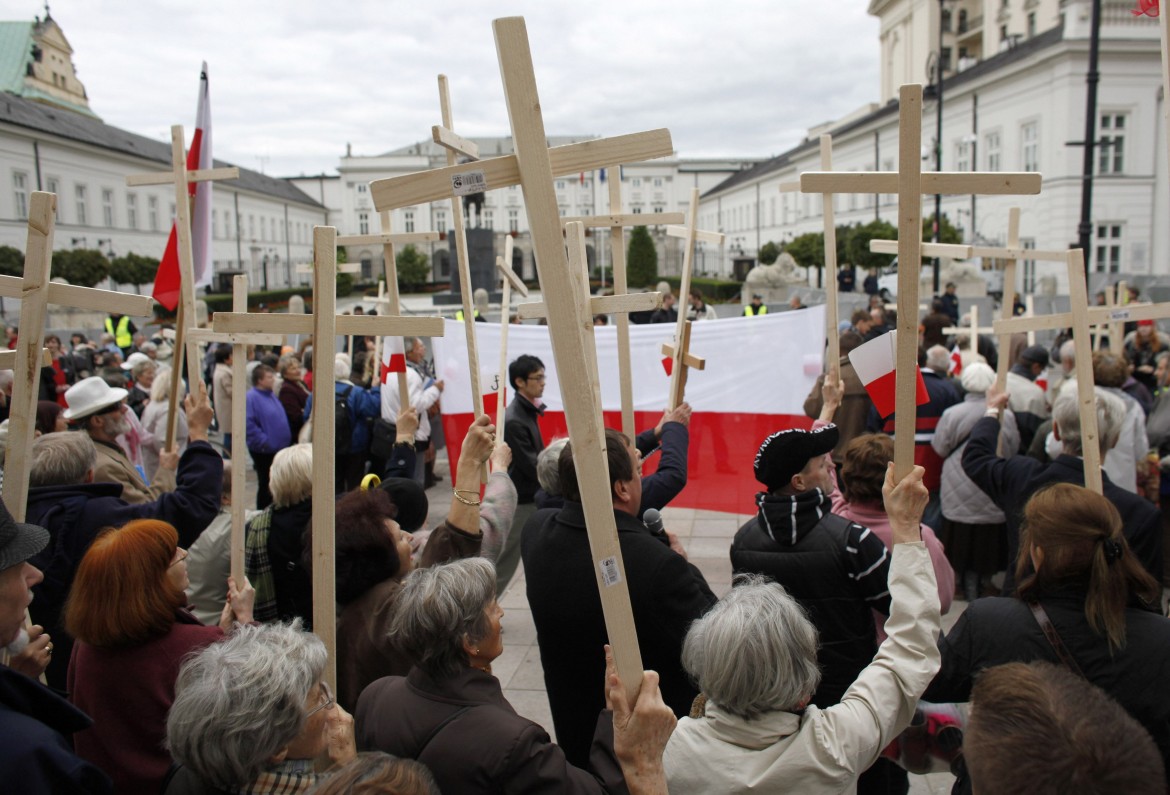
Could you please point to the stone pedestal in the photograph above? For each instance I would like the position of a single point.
(481, 256)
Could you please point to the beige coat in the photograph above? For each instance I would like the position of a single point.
(114, 467)
(823, 750)
(221, 396)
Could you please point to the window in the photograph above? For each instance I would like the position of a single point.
(1030, 146)
(772, 213)
(79, 193)
(1108, 259)
(227, 224)
(361, 187)
(560, 184)
(363, 223)
(252, 227)
(991, 145)
(962, 156)
(441, 220)
(637, 183)
(1029, 285)
(20, 193)
(108, 208)
(1111, 155)
(152, 212)
(658, 182)
(409, 220)
(53, 185)
(131, 211)
(489, 220)
(1031, 24)
(514, 220)
(214, 225)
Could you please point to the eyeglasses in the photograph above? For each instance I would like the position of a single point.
(182, 556)
(538, 378)
(328, 703)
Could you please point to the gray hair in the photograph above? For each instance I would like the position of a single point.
(286, 361)
(291, 478)
(440, 606)
(1068, 351)
(1067, 418)
(938, 359)
(7, 378)
(548, 466)
(147, 347)
(160, 390)
(137, 370)
(62, 459)
(342, 366)
(755, 651)
(240, 701)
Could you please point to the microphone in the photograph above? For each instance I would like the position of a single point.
(653, 521)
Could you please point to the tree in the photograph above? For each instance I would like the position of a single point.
(857, 244)
(808, 249)
(947, 234)
(83, 267)
(412, 265)
(769, 253)
(11, 261)
(134, 269)
(641, 258)
(342, 255)
(344, 284)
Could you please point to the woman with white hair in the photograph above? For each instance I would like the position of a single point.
(974, 530)
(754, 658)
(252, 714)
(156, 417)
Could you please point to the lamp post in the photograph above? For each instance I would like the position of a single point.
(940, 68)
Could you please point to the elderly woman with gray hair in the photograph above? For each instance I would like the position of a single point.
(754, 657)
(450, 712)
(252, 714)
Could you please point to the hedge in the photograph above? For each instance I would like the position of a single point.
(714, 290)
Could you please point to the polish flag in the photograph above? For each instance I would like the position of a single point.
(393, 357)
(778, 355)
(875, 363)
(955, 368)
(492, 390)
(167, 280)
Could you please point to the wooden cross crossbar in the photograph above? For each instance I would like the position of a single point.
(714, 238)
(1116, 327)
(678, 373)
(454, 143)
(974, 330)
(625, 219)
(927, 249)
(325, 325)
(36, 293)
(181, 178)
(598, 305)
(1095, 315)
(832, 308)
(682, 359)
(510, 282)
(8, 360)
(911, 184)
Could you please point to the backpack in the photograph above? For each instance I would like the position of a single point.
(343, 429)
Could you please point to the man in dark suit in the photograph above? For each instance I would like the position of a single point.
(667, 594)
(1010, 482)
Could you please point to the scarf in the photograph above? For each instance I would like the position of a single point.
(258, 567)
(789, 518)
(287, 778)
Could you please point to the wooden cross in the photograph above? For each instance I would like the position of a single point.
(1113, 299)
(911, 184)
(973, 331)
(511, 281)
(1030, 311)
(181, 178)
(681, 361)
(534, 167)
(36, 293)
(616, 222)
(390, 273)
(325, 325)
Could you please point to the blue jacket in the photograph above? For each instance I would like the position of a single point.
(365, 406)
(74, 515)
(267, 422)
(670, 478)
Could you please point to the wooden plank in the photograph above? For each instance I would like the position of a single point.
(682, 366)
(832, 309)
(599, 305)
(681, 334)
(1008, 312)
(621, 286)
(230, 322)
(1097, 315)
(571, 332)
(38, 261)
(393, 303)
(401, 238)
(714, 238)
(909, 189)
(1018, 253)
(508, 276)
(1078, 296)
(954, 250)
(195, 175)
(8, 361)
(502, 172)
(689, 359)
(89, 298)
(1030, 311)
(324, 319)
(951, 183)
(239, 437)
(1116, 325)
(626, 219)
(183, 347)
(454, 143)
(509, 279)
(206, 335)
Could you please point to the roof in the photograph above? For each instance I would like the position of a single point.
(16, 47)
(21, 112)
(997, 61)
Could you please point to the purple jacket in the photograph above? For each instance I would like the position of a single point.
(267, 424)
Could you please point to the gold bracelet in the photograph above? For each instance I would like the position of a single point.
(466, 501)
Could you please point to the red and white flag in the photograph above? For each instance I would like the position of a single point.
(168, 279)
(875, 363)
(955, 368)
(393, 357)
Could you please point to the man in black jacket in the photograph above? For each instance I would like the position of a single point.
(522, 433)
(1009, 482)
(667, 593)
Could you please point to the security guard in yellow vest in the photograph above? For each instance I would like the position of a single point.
(474, 313)
(123, 331)
(756, 307)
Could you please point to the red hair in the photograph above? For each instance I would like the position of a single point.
(121, 595)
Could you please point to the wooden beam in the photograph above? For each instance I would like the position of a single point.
(953, 250)
(626, 219)
(195, 175)
(239, 437)
(951, 183)
(599, 305)
(347, 325)
(714, 238)
(909, 189)
(402, 238)
(1078, 296)
(8, 361)
(832, 334)
(1097, 315)
(454, 143)
(689, 359)
(510, 280)
(88, 298)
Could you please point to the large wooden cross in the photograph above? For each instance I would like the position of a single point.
(910, 183)
(325, 326)
(36, 293)
(181, 178)
(534, 168)
(510, 281)
(973, 331)
(617, 222)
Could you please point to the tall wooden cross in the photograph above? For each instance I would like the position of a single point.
(973, 331)
(510, 281)
(325, 325)
(181, 178)
(36, 293)
(388, 241)
(617, 222)
(534, 168)
(911, 184)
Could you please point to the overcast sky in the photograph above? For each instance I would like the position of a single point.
(293, 81)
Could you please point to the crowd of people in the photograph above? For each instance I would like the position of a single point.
(824, 668)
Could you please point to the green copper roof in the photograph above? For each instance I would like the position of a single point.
(15, 52)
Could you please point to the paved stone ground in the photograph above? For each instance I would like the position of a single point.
(707, 536)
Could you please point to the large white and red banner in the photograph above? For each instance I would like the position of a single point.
(758, 372)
